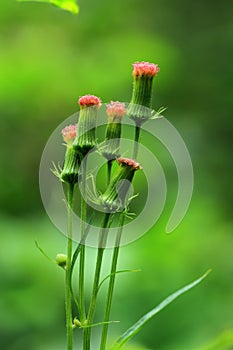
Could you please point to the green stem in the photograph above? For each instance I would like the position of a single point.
(111, 283)
(81, 291)
(87, 331)
(136, 140)
(109, 171)
(69, 319)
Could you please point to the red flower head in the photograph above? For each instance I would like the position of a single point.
(69, 133)
(88, 101)
(116, 109)
(145, 68)
(129, 162)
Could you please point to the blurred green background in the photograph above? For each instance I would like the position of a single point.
(48, 59)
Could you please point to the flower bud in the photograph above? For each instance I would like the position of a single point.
(139, 108)
(115, 112)
(69, 134)
(115, 196)
(76, 323)
(61, 260)
(85, 139)
(70, 168)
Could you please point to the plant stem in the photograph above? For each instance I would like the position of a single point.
(69, 318)
(111, 283)
(136, 140)
(82, 251)
(87, 331)
(109, 171)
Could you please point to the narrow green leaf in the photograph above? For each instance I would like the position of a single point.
(115, 273)
(99, 324)
(67, 5)
(43, 253)
(140, 323)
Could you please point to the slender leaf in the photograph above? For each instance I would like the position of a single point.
(115, 273)
(99, 324)
(141, 322)
(67, 5)
(43, 253)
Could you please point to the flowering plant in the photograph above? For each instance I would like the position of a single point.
(112, 205)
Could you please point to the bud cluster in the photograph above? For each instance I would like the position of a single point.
(81, 138)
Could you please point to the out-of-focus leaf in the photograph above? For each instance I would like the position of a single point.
(68, 5)
(127, 335)
(224, 341)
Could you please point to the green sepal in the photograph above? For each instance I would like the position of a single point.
(139, 107)
(69, 172)
(112, 138)
(86, 136)
(115, 197)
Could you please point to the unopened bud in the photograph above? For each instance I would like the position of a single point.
(86, 137)
(115, 196)
(70, 168)
(76, 323)
(139, 108)
(115, 112)
(61, 260)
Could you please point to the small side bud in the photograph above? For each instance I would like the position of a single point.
(115, 198)
(115, 112)
(70, 168)
(61, 260)
(86, 137)
(76, 323)
(139, 107)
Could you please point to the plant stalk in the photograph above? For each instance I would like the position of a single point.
(136, 140)
(102, 241)
(81, 291)
(111, 283)
(68, 301)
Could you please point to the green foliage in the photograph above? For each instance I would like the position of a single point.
(224, 341)
(48, 60)
(68, 5)
(132, 331)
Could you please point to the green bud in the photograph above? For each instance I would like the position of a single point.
(70, 168)
(115, 197)
(61, 260)
(115, 111)
(139, 107)
(76, 323)
(86, 136)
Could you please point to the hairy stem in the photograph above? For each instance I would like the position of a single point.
(68, 302)
(87, 331)
(111, 283)
(82, 251)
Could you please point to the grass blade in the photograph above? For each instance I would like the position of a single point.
(127, 335)
(67, 5)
